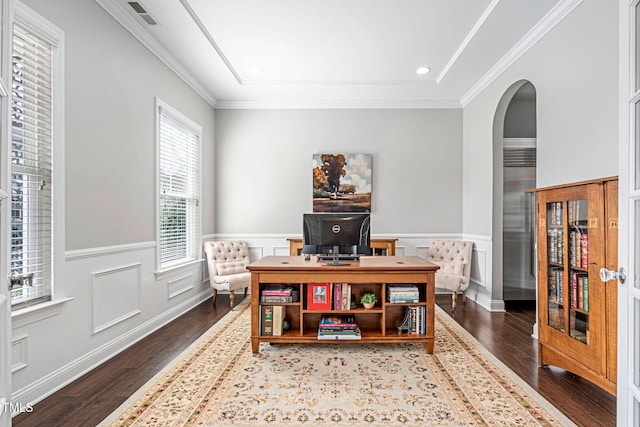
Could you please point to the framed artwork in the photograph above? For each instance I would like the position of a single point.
(319, 296)
(342, 183)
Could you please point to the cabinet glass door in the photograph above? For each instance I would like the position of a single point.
(578, 256)
(555, 275)
(568, 268)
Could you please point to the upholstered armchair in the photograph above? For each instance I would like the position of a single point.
(454, 259)
(227, 262)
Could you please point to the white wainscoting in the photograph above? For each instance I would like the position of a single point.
(112, 300)
(115, 295)
(19, 353)
(407, 244)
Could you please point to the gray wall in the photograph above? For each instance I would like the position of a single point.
(263, 167)
(107, 294)
(111, 82)
(574, 70)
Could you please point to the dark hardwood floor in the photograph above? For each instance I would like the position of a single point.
(93, 397)
(508, 337)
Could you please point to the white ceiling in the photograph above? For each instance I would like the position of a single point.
(340, 53)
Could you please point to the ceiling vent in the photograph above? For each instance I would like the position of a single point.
(142, 13)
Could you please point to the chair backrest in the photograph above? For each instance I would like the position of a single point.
(454, 256)
(227, 257)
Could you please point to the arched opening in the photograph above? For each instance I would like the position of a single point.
(514, 171)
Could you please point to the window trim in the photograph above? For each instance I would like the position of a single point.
(162, 271)
(45, 29)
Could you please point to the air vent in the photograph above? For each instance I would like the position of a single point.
(142, 13)
(519, 157)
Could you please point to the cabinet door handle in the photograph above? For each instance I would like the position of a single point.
(606, 275)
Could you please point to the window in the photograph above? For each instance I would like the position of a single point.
(34, 138)
(179, 188)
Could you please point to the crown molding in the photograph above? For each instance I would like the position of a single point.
(131, 24)
(555, 15)
(467, 39)
(341, 104)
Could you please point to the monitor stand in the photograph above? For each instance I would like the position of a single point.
(336, 257)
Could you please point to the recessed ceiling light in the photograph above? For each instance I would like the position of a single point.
(423, 70)
(256, 71)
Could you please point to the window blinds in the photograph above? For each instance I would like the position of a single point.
(31, 168)
(179, 184)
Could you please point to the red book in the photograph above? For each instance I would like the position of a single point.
(574, 290)
(584, 244)
(319, 296)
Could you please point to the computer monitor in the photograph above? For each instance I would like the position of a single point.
(336, 234)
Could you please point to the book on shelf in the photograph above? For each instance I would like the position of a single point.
(346, 296)
(279, 294)
(337, 320)
(338, 327)
(414, 321)
(403, 293)
(341, 293)
(278, 317)
(319, 296)
(585, 293)
(584, 252)
(266, 323)
(579, 291)
(555, 285)
(555, 213)
(354, 335)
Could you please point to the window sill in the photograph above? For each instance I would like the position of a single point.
(36, 313)
(160, 275)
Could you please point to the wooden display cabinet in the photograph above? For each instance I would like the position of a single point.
(577, 228)
(384, 247)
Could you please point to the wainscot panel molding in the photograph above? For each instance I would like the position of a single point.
(480, 280)
(116, 295)
(180, 285)
(113, 301)
(19, 353)
(75, 254)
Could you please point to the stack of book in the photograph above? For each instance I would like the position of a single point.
(279, 294)
(403, 294)
(338, 327)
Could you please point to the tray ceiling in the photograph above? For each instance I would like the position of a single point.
(336, 53)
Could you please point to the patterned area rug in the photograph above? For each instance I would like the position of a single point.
(219, 382)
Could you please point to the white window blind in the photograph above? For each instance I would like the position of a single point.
(179, 186)
(31, 168)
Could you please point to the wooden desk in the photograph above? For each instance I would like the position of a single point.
(370, 274)
(378, 246)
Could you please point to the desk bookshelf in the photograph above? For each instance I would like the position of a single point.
(369, 274)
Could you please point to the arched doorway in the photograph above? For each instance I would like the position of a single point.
(514, 171)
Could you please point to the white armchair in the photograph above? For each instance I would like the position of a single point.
(227, 262)
(454, 259)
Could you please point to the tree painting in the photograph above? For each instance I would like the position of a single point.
(342, 182)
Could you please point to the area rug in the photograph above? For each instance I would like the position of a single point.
(219, 382)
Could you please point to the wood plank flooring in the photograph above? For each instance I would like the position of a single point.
(508, 337)
(93, 397)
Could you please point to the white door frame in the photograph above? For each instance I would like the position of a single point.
(628, 392)
(5, 214)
